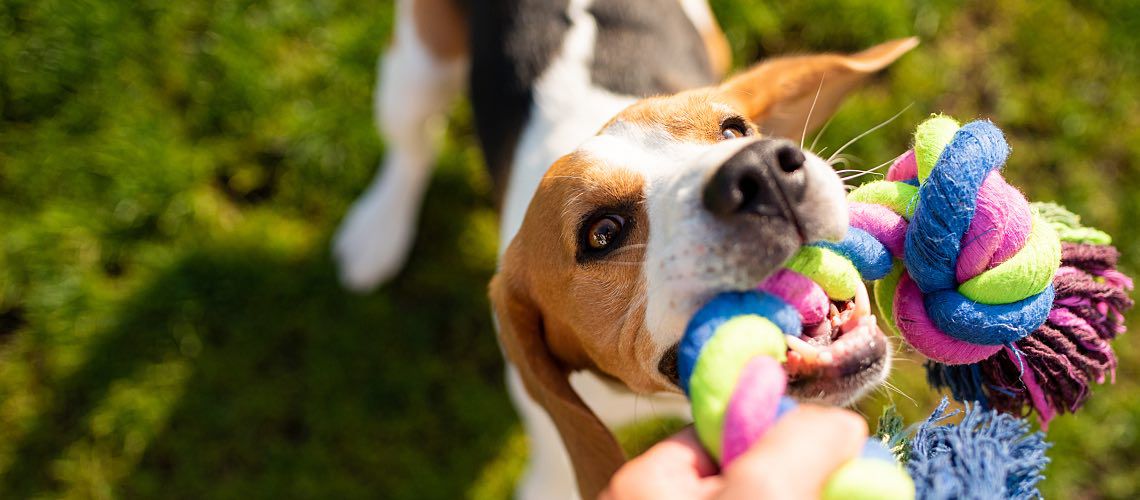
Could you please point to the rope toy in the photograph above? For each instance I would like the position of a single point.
(1013, 303)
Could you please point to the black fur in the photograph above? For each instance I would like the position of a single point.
(647, 47)
(644, 48)
(512, 42)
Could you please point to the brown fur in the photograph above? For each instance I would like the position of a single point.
(716, 45)
(581, 301)
(442, 26)
(542, 317)
(691, 116)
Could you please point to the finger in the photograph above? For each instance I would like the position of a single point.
(797, 455)
(677, 468)
(683, 449)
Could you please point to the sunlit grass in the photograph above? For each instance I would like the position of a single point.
(171, 172)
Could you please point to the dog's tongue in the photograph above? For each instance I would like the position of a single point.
(840, 342)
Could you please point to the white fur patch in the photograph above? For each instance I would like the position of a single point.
(699, 14)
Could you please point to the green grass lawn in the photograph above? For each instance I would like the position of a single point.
(171, 172)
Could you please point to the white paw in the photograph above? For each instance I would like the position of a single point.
(373, 242)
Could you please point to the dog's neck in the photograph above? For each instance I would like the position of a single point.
(593, 63)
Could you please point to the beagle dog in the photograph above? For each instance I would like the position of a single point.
(634, 185)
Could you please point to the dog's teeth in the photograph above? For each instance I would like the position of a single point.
(793, 363)
(807, 351)
(862, 308)
(826, 358)
(862, 301)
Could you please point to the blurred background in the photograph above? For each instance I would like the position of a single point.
(171, 173)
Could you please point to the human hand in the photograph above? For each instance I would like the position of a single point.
(792, 461)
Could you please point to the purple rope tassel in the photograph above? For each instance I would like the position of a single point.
(1071, 350)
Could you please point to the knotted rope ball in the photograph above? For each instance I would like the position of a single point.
(979, 264)
(1014, 303)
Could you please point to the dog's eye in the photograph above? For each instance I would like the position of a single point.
(733, 128)
(603, 231)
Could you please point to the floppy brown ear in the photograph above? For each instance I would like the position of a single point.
(593, 450)
(778, 94)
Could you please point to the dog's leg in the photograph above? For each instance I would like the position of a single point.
(420, 75)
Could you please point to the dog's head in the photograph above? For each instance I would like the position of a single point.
(676, 199)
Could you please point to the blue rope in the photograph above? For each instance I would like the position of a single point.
(870, 257)
(724, 306)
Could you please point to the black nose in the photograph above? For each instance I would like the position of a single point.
(764, 178)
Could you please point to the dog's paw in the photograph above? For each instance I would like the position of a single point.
(373, 242)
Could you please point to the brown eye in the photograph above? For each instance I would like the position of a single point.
(733, 129)
(604, 231)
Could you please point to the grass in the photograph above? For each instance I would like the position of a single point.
(171, 172)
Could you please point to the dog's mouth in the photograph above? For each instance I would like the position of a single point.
(835, 360)
(840, 356)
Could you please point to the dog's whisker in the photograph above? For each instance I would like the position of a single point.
(869, 131)
(851, 177)
(900, 348)
(874, 169)
(843, 158)
(858, 175)
(628, 248)
(856, 171)
(625, 250)
(573, 201)
(820, 134)
(881, 165)
(893, 388)
(807, 121)
(898, 357)
(890, 386)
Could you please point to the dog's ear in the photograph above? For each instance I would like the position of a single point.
(594, 452)
(778, 94)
